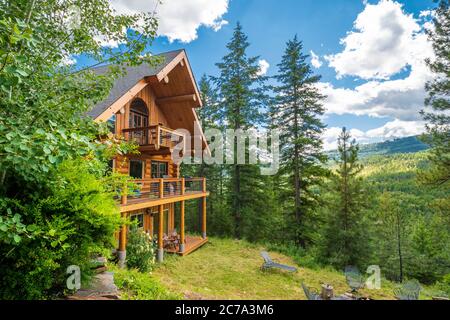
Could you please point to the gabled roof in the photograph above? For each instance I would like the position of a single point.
(133, 76)
(173, 85)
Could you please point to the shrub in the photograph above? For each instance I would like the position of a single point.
(74, 220)
(135, 285)
(140, 250)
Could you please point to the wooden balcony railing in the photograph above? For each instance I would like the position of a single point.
(157, 136)
(159, 189)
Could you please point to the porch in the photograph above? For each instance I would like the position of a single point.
(158, 194)
(191, 244)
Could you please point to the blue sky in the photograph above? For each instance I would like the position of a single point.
(374, 79)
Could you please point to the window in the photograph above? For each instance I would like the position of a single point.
(138, 219)
(159, 169)
(112, 124)
(138, 114)
(137, 169)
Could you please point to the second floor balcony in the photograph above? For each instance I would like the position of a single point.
(154, 138)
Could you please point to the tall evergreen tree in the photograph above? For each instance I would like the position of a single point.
(297, 114)
(439, 99)
(345, 240)
(242, 96)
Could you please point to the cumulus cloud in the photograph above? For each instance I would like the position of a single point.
(382, 42)
(263, 67)
(315, 60)
(179, 19)
(391, 130)
(385, 40)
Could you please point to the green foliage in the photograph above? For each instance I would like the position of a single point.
(140, 250)
(56, 205)
(243, 98)
(135, 285)
(344, 239)
(74, 221)
(438, 100)
(296, 113)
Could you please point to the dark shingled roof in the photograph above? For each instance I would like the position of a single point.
(126, 83)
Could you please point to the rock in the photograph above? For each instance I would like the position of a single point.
(101, 288)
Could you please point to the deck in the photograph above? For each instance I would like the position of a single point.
(192, 244)
(144, 201)
(156, 192)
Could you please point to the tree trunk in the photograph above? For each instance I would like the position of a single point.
(237, 204)
(399, 244)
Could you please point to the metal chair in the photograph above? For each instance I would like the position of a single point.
(409, 290)
(270, 264)
(311, 293)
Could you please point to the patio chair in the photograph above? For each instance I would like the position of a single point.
(270, 264)
(409, 290)
(311, 293)
(355, 279)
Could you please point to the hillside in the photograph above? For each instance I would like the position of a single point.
(230, 269)
(401, 145)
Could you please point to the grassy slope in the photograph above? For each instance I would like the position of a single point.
(229, 269)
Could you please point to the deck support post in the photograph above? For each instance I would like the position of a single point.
(204, 209)
(204, 217)
(122, 252)
(182, 235)
(160, 257)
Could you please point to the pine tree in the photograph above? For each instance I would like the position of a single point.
(241, 94)
(345, 236)
(439, 99)
(297, 114)
(210, 117)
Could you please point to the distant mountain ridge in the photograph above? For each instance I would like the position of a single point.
(399, 145)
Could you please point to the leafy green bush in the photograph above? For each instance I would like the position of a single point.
(74, 220)
(135, 285)
(140, 250)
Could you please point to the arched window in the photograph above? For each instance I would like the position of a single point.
(138, 114)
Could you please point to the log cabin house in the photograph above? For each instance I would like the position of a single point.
(146, 106)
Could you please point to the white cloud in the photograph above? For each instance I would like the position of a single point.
(386, 41)
(263, 67)
(179, 19)
(391, 130)
(382, 42)
(315, 60)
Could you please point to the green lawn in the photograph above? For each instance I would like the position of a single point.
(230, 269)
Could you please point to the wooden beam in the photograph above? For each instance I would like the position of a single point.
(160, 234)
(204, 218)
(122, 101)
(154, 203)
(177, 99)
(182, 235)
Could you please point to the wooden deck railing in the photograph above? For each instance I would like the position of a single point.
(157, 189)
(159, 136)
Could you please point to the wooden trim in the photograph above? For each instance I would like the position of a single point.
(191, 249)
(204, 217)
(155, 203)
(182, 226)
(122, 101)
(176, 99)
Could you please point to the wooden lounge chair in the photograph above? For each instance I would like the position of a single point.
(311, 293)
(408, 291)
(270, 264)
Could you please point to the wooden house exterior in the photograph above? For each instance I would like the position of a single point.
(146, 106)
